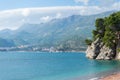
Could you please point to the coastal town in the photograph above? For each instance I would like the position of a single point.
(37, 48)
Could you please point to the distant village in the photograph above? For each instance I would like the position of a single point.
(37, 48)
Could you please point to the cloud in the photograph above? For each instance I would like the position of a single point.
(100, 3)
(82, 1)
(116, 6)
(25, 12)
(58, 15)
(46, 18)
(13, 19)
(106, 2)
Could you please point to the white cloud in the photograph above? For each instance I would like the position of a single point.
(105, 3)
(58, 15)
(100, 3)
(25, 12)
(116, 6)
(13, 19)
(82, 1)
(46, 18)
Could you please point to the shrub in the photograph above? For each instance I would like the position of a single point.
(88, 41)
(118, 50)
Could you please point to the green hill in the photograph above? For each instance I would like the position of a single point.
(67, 33)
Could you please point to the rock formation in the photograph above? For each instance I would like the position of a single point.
(97, 50)
(105, 44)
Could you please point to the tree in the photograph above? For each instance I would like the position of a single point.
(100, 29)
(88, 41)
(100, 25)
(107, 29)
(109, 38)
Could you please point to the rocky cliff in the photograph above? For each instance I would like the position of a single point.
(105, 44)
(97, 50)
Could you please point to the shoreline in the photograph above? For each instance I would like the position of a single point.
(48, 51)
(112, 76)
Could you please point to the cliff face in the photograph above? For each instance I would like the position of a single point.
(105, 44)
(97, 50)
(118, 52)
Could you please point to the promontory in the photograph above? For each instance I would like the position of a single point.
(105, 43)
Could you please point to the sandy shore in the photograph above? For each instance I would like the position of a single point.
(115, 76)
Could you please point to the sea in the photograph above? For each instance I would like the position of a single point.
(53, 66)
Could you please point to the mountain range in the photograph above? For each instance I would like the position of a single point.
(66, 34)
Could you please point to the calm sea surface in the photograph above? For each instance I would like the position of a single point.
(52, 66)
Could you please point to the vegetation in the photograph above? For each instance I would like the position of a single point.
(118, 50)
(88, 41)
(6, 43)
(65, 34)
(107, 29)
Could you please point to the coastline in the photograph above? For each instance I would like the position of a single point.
(48, 51)
(113, 76)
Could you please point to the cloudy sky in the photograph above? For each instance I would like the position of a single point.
(14, 13)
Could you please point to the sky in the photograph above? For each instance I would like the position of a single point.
(14, 4)
(14, 13)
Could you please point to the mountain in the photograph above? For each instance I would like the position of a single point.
(67, 33)
(6, 43)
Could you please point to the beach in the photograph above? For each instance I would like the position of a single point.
(114, 76)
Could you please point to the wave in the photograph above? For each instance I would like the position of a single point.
(96, 78)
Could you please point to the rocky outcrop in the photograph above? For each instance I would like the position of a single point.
(97, 50)
(107, 38)
(117, 56)
(106, 53)
(94, 49)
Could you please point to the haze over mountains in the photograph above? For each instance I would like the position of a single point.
(65, 33)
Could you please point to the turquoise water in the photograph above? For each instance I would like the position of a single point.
(51, 66)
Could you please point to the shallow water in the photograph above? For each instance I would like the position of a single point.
(52, 66)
